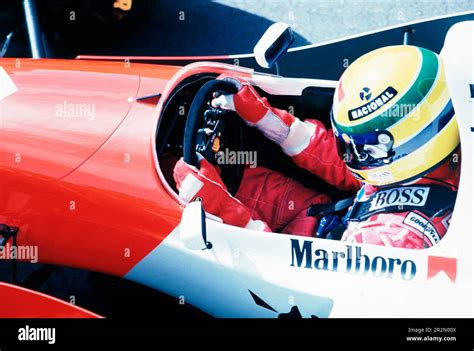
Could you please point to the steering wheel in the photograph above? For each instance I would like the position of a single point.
(213, 133)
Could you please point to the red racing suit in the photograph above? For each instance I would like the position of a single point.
(267, 200)
(415, 228)
(282, 202)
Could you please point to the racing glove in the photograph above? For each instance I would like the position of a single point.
(280, 126)
(206, 185)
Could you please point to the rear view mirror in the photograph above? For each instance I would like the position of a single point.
(193, 227)
(273, 44)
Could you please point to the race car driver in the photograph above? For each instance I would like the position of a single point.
(394, 139)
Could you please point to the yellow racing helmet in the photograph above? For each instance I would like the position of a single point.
(392, 115)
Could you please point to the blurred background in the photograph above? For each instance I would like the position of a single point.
(202, 27)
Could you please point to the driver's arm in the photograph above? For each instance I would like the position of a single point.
(318, 154)
(207, 185)
(309, 143)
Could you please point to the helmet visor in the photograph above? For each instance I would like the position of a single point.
(364, 151)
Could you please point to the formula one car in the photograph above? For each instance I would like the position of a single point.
(18, 302)
(86, 158)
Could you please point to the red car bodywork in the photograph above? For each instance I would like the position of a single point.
(85, 189)
(19, 302)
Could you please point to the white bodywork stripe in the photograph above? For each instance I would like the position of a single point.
(7, 86)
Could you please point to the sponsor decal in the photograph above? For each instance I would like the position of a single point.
(373, 105)
(447, 221)
(365, 94)
(471, 88)
(409, 196)
(421, 224)
(305, 255)
(380, 176)
(438, 264)
(216, 144)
